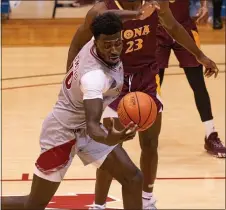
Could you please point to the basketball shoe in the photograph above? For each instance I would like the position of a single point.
(214, 146)
(95, 206)
(149, 203)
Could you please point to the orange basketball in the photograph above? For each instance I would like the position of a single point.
(139, 108)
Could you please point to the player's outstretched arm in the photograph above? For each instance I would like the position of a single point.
(82, 36)
(177, 32)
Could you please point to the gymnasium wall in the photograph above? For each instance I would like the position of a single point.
(53, 23)
(70, 9)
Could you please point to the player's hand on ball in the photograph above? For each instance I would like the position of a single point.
(116, 137)
(210, 66)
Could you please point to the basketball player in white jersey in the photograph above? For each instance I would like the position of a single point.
(73, 126)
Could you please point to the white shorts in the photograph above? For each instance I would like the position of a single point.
(59, 145)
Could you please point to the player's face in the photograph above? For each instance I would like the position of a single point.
(109, 47)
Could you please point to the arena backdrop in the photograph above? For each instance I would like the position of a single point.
(74, 8)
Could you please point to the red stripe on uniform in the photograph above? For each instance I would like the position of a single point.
(55, 158)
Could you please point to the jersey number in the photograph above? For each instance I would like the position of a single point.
(68, 80)
(134, 45)
(73, 68)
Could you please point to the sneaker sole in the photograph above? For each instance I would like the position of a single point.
(217, 155)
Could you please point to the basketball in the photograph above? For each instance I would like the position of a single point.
(139, 108)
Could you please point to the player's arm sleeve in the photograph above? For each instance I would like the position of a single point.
(92, 84)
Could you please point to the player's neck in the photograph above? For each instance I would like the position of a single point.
(130, 5)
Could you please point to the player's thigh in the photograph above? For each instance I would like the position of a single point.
(121, 167)
(42, 191)
(57, 150)
(149, 138)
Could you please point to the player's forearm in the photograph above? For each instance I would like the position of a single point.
(180, 35)
(125, 14)
(97, 133)
(79, 40)
(74, 49)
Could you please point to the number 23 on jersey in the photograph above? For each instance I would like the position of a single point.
(134, 45)
(134, 38)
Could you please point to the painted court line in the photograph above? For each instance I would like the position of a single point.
(25, 177)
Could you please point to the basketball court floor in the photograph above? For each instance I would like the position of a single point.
(188, 178)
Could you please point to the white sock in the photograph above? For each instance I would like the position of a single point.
(146, 194)
(209, 125)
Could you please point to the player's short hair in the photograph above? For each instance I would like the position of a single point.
(107, 23)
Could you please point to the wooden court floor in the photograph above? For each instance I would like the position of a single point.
(188, 178)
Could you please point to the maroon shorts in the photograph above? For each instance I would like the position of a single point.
(165, 43)
(146, 81)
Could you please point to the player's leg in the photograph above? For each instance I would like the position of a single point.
(13, 202)
(41, 193)
(102, 186)
(119, 165)
(196, 80)
(217, 7)
(115, 161)
(103, 178)
(149, 138)
(58, 149)
(194, 74)
(52, 164)
(148, 163)
(44, 185)
(149, 160)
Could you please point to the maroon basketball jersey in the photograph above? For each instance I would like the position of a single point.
(181, 12)
(139, 41)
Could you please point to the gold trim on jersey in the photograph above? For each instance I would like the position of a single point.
(120, 6)
(158, 88)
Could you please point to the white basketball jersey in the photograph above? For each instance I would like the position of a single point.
(69, 109)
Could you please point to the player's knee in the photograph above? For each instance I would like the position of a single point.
(149, 144)
(135, 182)
(33, 205)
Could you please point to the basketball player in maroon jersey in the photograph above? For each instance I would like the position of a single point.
(192, 68)
(141, 74)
